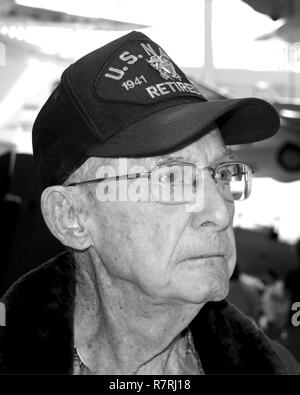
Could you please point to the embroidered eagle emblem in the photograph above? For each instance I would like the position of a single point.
(163, 65)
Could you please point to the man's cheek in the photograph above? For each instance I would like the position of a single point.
(231, 210)
(232, 251)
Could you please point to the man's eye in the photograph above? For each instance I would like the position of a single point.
(224, 175)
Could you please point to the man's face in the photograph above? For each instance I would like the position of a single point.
(165, 251)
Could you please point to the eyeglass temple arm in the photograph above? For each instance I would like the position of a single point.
(123, 177)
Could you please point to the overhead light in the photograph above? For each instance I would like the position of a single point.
(20, 33)
(285, 113)
(12, 32)
(4, 30)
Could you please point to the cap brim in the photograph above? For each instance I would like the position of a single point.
(239, 120)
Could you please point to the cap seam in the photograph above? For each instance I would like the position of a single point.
(82, 111)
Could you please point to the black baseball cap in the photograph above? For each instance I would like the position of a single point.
(129, 99)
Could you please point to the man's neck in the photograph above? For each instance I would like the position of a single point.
(118, 328)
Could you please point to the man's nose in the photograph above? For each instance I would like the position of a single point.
(211, 208)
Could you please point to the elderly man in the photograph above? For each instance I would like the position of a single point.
(137, 182)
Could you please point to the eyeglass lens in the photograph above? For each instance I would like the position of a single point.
(179, 183)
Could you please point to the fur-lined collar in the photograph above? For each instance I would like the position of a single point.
(38, 337)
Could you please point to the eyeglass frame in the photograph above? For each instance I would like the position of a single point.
(213, 171)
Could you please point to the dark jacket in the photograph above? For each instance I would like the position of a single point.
(38, 336)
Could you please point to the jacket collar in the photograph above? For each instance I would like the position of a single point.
(38, 337)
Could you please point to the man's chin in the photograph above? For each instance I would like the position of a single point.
(214, 290)
(209, 297)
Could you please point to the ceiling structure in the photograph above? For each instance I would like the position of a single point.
(13, 13)
(27, 33)
(275, 9)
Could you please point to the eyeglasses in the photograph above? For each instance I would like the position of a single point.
(179, 182)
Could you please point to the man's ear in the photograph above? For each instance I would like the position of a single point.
(63, 218)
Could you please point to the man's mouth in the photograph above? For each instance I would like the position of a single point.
(204, 256)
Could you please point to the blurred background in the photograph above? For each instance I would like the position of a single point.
(232, 48)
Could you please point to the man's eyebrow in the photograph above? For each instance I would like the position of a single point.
(170, 158)
(227, 155)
